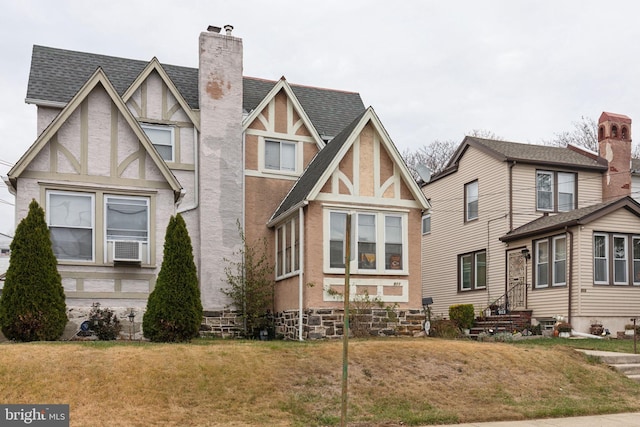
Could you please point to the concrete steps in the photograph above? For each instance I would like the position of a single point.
(625, 363)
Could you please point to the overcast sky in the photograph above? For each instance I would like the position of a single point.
(432, 70)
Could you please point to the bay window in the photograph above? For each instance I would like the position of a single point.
(379, 242)
(288, 249)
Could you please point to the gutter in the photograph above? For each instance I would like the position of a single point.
(196, 178)
(275, 221)
(570, 284)
(301, 272)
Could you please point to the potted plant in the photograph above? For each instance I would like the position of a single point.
(596, 328)
(564, 329)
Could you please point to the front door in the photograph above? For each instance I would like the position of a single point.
(516, 279)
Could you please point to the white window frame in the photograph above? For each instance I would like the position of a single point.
(624, 260)
(380, 240)
(545, 264)
(163, 128)
(635, 260)
(472, 258)
(289, 231)
(556, 261)
(605, 237)
(91, 197)
(562, 185)
(558, 181)
(551, 191)
(426, 224)
(280, 168)
(471, 194)
(146, 242)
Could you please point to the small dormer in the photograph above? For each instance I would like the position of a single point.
(614, 126)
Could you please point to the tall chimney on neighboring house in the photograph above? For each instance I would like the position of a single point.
(614, 144)
(220, 160)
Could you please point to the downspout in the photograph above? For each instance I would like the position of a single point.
(511, 165)
(196, 176)
(301, 272)
(570, 284)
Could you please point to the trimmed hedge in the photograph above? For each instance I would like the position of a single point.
(463, 315)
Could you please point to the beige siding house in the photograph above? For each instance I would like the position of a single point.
(125, 144)
(544, 230)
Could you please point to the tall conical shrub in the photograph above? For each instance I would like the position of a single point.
(174, 309)
(32, 306)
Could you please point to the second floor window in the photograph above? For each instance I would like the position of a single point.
(555, 191)
(162, 139)
(471, 201)
(280, 156)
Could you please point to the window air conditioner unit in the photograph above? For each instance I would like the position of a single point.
(127, 251)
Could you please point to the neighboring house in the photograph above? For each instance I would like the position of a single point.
(5, 242)
(125, 144)
(552, 230)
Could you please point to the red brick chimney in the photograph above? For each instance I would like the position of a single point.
(614, 145)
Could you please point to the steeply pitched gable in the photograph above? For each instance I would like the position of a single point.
(328, 159)
(97, 79)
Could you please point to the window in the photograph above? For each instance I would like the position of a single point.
(426, 224)
(367, 241)
(162, 139)
(70, 218)
(620, 266)
(288, 247)
(472, 271)
(280, 156)
(555, 191)
(471, 201)
(542, 264)
(616, 259)
(127, 218)
(636, 260)
(379, 241)
(551, 262)
(338, 221)
(600, 259)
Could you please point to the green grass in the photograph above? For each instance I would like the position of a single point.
(616, 345)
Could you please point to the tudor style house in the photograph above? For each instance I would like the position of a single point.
(550, 231)
(124, 144)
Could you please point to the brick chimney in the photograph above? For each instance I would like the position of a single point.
(614, 145)
(220, 159)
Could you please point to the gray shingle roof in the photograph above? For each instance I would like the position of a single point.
(315, 169)
(584, 215)
(57, 74)
(531, 153)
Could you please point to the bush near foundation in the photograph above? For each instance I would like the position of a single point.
(32, 307)
(462, 315)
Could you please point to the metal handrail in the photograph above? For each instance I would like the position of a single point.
(515, 296)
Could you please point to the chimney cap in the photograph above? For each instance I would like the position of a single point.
(228, 28)
(213, 29)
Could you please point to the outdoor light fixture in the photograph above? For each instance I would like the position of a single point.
(132, 317)
(526, 254)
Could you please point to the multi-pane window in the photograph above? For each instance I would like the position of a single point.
(471, 201)
(379, 241)
(287, 249)
(616, 259)
(162, 138)
(127, 218)
(71, 225)
(551, 262)
(555, 191)
(472, 271)
(279, 155)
